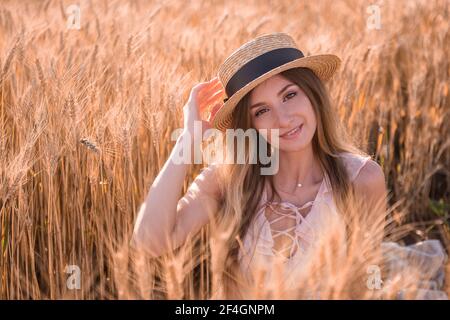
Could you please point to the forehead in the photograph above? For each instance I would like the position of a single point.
(269, 87)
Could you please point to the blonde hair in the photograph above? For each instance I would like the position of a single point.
(243, 184)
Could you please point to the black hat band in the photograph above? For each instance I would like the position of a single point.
(259, 66)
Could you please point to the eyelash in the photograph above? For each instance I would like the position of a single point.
(294, 94)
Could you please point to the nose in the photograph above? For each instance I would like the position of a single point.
(283, 117)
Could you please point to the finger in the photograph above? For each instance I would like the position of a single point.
(212, 97)
(210, 87)
(214, 111)
(204, 89)
(212, 81)
(216, 78)
(215, 94)
(198, 87)
(212, 93)
(206, 125)
(216, 97)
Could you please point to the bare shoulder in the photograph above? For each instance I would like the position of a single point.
(370, 182)
(370, 190)
(371, 173)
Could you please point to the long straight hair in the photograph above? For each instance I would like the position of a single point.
(243, 184)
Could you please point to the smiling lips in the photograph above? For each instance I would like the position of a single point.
(292, 133)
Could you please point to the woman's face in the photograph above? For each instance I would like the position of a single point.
(278, 103)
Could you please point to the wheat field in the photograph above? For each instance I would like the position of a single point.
(86, 116)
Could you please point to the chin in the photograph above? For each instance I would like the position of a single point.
(293, 147)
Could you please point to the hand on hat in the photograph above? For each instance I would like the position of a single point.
(205, 97)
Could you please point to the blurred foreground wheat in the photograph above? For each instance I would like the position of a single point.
(86, 117)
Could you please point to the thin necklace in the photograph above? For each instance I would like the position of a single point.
(298, 186)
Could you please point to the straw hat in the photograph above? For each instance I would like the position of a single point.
(258, 60)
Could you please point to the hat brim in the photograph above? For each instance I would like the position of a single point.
(323, 65)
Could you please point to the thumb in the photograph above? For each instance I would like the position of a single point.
(205, 126)
(213, 111)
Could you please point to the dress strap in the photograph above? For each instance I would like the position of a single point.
(354, 163)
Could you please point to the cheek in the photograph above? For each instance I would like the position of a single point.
(310, 115)
(264, 123)
(312, 119)
(311, 126)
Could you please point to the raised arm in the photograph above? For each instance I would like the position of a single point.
(164, 220)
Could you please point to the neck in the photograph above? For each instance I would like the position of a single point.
(298, 167)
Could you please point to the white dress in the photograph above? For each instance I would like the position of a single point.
(258, 252)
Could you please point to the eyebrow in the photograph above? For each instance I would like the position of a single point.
(279, 93)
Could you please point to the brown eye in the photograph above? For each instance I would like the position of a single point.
(259, 112)
(291, 95)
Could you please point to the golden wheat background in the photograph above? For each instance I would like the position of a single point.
(86, 116)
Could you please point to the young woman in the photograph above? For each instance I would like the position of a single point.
(269, 85)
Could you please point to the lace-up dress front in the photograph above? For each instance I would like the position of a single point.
(289, 232)
(289, 239)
